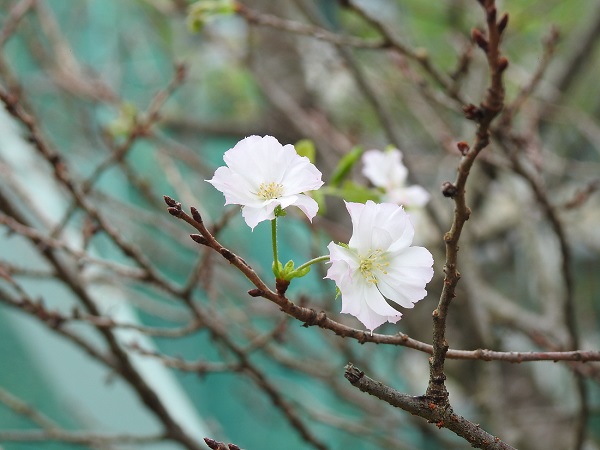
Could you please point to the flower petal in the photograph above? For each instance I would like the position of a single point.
(406, 277)
(307, 205)
(261, 174)
(354, 301)
(411, 196)
(380, 250)
(237, 189)
(253, 216)
(343, 264)
(384, 169)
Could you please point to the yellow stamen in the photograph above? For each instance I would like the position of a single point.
(269, 191)
(375, 262)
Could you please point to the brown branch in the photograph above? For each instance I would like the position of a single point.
(569, 311)
(12, 19)
(310, 317)
(421, 58)
(122, 363)
(38, 238)
(483, 116)
(422, 406)
(526, 91)
(142, 128)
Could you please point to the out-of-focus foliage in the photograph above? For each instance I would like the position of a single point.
(103, 79)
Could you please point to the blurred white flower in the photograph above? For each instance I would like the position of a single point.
(379, 263)
(385, 170)
(261, 174)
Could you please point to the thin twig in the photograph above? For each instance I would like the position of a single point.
(310, 317)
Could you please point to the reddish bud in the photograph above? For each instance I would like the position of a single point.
(199, 239)
(502, 64)
(211, 443)
(169, 201)
(479, 39)
(502, 23)
(449, 190)
(196, 215)
(174, 211)
(463, 147)
(255, 292)
(472, 112)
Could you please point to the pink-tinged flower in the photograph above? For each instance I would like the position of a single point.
(262, 174)
(379, 264)
(385, 170)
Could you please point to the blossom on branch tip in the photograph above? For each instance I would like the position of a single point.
(261, 175)
(385, 170)
(379, 264)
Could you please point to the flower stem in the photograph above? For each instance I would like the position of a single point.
(274, 241)
(312, 261)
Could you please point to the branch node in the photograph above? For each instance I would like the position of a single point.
(502, 64)
(281, 286)
(227, 254)
(472, 112)
(352, 374)
(463, 147)
(449, 190)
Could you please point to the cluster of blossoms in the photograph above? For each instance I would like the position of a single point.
(378, 264)
(386, 171)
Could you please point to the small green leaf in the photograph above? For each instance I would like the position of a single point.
(277, 268)
(204, 11)
(306, 147)
(345, 166)
(353, 192)
(279, 211)
(302, 272)
(125, 122)
(289, 266)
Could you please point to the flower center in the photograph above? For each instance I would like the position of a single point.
(375, 262)
(269, 191)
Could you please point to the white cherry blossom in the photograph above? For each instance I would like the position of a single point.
(379, 264)
(261, 174)
(385, 170)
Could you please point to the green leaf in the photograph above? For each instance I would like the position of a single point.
(289, 267)
(353, 192)
(302, 272)
(125, 122)
(277, 268)
(204, 11)
(279, 211)
(337, 293)
(345, 166)
(306, 147)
